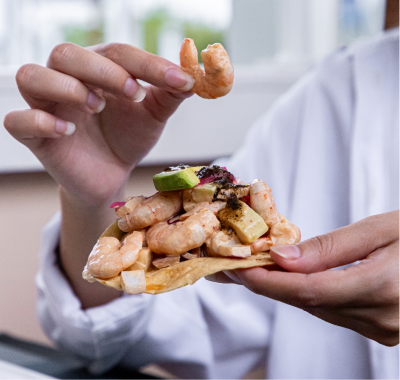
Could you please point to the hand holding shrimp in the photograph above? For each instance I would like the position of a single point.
(89, 119)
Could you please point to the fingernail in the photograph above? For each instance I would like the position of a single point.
(134, 90)
(288, 252)
(179, 79)
(96, 102)
(65, 128)
(233, 276)
(140, 95)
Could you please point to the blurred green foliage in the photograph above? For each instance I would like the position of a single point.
(203, 36)
(84, 37)
(153, 24)
(156, 21)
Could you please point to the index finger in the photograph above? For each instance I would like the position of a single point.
(147, 66)
(331, 288)
(115, 68)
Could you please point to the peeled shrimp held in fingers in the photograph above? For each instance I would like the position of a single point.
(262, 202)
(178, 238)
(217, 78)
(109, 257)
(159, 207)
(129, 206)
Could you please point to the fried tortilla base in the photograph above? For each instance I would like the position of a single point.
(186, 272)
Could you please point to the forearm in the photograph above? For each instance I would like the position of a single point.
(81, 227)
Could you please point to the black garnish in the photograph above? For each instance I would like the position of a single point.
(178, 167)
(233, 203)
(217, 172)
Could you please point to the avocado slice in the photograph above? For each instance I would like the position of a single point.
(204, 193)
(248, 225)
(176, 180)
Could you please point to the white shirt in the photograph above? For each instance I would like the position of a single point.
(329, 151)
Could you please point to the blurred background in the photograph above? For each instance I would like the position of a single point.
(271, 44)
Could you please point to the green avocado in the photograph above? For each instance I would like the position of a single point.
(176, 180)
(204, 193)
(248, 225)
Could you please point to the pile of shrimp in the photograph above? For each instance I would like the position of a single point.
(174, 227)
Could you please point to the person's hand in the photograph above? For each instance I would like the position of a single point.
(90, 123)
(363, 297)
(95, 90)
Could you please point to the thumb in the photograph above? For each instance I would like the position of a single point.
(343, 246)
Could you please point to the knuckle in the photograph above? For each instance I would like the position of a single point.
(147, 67)
(323, 244)
(107, 71)
(26, 74)
(61, 53)
(69, 87)
(307, 300)
(38, 121)
(113, 50)
(307, 296)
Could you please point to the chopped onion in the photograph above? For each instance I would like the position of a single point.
(117, 204)
(174, 218)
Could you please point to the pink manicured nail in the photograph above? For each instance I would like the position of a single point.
(65, 128)
(96, 102)
(178, 79)
(134, 90)
(288, 252)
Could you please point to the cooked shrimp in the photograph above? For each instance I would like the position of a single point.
(215, 207)
(262, 202)
(187, 200)
(159, 207)
(175, 239)
(284, 233)
(129, 206)
(219, 238)
(262, 244)
(109, 257)
(217, 80)
(143, 231)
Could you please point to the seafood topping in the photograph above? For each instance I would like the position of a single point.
(220, 218)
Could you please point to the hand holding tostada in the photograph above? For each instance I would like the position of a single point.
(202, 220)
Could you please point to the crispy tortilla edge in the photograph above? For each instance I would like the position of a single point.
(186, 272)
